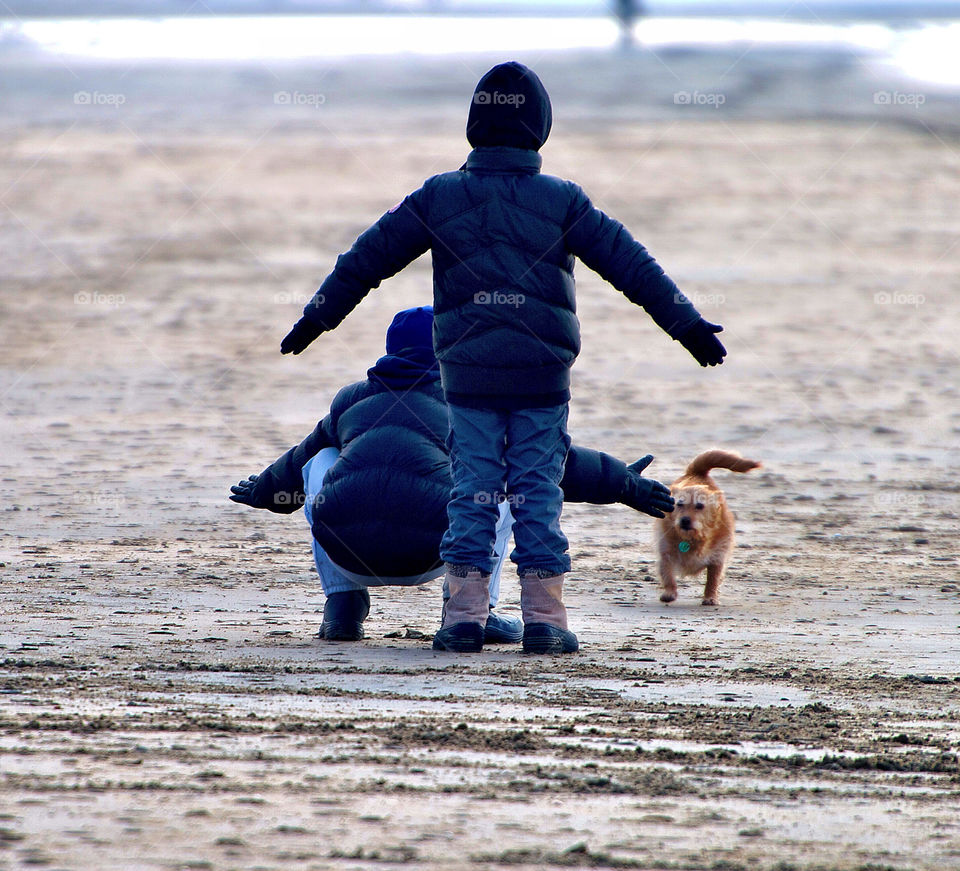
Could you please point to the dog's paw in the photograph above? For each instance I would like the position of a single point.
(668, 597)
(709, 600)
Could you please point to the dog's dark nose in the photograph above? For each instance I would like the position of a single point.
(685, 523)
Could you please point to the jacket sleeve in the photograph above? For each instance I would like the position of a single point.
(398, 238)
(607, 247)
(280, 486)
(592, 476)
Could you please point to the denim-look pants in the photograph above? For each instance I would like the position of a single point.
(518, 456)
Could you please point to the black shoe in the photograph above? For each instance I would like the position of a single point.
(460, 638)
(544, 638)
(343, 615)
(502, 630)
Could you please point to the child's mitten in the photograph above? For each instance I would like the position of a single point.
(302, 334)
(245, 492)
(646, 494)
(701, 342)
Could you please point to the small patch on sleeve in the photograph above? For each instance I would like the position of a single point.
(397, 206)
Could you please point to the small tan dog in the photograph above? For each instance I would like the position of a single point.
(699, 533)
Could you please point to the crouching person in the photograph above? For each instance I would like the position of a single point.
(374, 479)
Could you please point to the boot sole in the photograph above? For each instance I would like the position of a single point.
(341, 632)
(466, 640)
(497, 631)
(458, 647)
(541, 638)
(502, 637)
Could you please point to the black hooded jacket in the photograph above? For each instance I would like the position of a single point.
(382, 508)
(504, 238)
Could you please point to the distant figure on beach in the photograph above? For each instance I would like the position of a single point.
(374, 480)
(627, 12)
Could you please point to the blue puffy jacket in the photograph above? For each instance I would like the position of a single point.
(504, 238)
(383, 505)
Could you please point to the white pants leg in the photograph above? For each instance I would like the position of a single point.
(504, 528)
(336, 579)
(332, 578)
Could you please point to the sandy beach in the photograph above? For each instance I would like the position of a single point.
(164, 700)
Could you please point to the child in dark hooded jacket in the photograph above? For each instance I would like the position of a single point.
(504, 238)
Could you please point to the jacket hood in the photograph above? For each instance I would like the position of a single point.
(409, 359)
(510, 107)
(409, 368)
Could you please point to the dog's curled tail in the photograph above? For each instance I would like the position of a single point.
(718, 459)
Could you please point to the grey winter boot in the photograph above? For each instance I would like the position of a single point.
(465, 612)
(544, 615)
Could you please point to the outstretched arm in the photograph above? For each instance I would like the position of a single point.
(279, 487)
(599, 478)
(398, 238)
(607, 247)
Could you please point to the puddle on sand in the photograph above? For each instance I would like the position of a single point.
(702, 692)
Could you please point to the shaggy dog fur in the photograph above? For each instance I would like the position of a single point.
(699, 533)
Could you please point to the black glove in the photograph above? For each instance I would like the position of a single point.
(243, 492)
(701, 342)
(302, 334)
(646, 494)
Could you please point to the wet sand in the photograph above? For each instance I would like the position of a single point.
(165, 702)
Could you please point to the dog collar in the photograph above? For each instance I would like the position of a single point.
(684, 546)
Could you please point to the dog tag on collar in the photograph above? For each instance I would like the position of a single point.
(684, 546)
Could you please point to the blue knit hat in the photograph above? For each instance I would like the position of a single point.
(411, 328)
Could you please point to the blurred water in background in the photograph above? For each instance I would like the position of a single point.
(923, 51)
